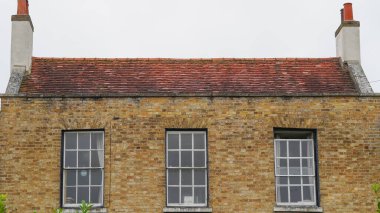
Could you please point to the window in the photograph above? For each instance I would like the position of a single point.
(295, 168)
(186, 168)
(83, 168)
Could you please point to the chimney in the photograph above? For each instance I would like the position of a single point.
(22, 37)
(348, 48)
(348, 36)
(21, 46)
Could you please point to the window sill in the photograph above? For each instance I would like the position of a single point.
(94, 210)
(187, 209)
(297, 209)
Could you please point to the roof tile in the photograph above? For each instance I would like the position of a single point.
(176, 76)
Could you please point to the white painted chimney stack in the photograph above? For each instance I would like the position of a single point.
(21, 46)
(348, 36)
(22, 38)
(348, 48)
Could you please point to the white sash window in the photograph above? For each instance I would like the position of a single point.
(186, 168)
(295, 170)
(83, 168)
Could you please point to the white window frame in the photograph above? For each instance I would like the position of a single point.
(205, 168)
(77, 169)
(289, 203)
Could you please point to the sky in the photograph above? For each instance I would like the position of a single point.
(191, 29)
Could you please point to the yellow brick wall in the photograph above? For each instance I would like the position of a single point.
(240, 142)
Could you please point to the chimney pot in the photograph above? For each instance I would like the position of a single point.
(23, 7)
(348, 13)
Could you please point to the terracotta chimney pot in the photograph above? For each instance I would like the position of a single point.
(23, 7)
(348, 13)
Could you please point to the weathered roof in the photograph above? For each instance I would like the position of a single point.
(187, 76)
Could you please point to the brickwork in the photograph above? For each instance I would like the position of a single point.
(240, 137)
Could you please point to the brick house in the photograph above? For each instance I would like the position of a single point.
(189, 135)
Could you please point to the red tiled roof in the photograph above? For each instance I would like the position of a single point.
(63, 76)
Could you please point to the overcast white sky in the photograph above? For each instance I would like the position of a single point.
(191, 29)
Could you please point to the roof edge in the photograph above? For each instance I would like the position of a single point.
(187, 59)
(358, 76)
(148, 95)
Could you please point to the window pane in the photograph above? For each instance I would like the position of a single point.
(294, 149)
(186, 177)
(307, 149)
(97, 158)
(295, 180)
(173, 141)
(173, 159)
(199, 141)
(173, 194)
(96, 177)
(199, 159)
(281, 148)
(282, 167)
(282, 180)
(187, 195)
(186, 141)
(84, 140)
(97, 140)
(199, 177)
(70, 159)
(70, 140)
(83, 177)
(294, 167)
(96, 196)
(173, 177)
(282, 194)
(295, 194)
(71, 177)
(83, 159)
(199, 195)
(308, 180)
(186, 159)
(308, 193)
(70, 195)
(307, 167)
(83, 194)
